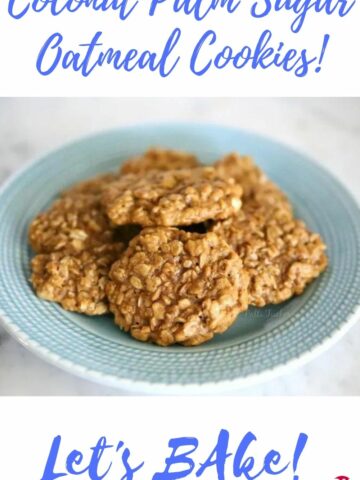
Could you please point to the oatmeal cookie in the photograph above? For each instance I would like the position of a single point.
(73, 222)
(280, 254)
(76, 281)
(259, 192)
(175, 197)
(172, 286)
(268, 201)
(243, 170)
(159, 159)
(92, 186)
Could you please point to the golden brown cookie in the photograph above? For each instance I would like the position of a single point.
(243, 170)
(268, 200)
(280, 254)
(74, 222)
(159, 159)
(92, 186)
(76, 281)
(259, 191)
(172, 286)
(175, 197)
(253, 180)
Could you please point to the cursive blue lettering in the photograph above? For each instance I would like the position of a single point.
(262, 56)
(56, 7)
(198, 8)
(178, 458)
(218, 456)
(262, 8)
(75, 459)
(52, 56)
(210, 38)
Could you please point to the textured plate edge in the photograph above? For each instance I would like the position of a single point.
(135, 386)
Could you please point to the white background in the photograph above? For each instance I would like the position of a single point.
(328, 130)
(332, 426)
(21, 41)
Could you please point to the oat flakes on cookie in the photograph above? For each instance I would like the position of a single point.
(172, 286)
(175, 197)
(92, 186)
(256, 186)
(159, 159)
(76, 281)
(268, 201)
(73, 222)
(280, 254)
(244, 171)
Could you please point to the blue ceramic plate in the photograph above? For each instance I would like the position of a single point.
(261, 343)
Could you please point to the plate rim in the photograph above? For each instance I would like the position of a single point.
(137, 386)
(140, 386)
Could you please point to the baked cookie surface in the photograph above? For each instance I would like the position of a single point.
(172, 286)
(280, 253)
(243, 170)
(159, 159)
(92, 186)
(175, 197)
(269, 202)
(76, 281)
(74, 222)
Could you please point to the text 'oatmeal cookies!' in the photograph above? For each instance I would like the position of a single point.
(173, 249)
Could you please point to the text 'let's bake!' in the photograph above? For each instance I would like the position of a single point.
(109, 459)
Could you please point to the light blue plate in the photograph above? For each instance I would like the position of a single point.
(262, 342)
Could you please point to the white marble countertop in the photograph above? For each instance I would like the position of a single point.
(326, 129)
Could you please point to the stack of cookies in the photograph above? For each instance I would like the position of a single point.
(174, 249)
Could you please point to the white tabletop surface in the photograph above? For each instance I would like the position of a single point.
(326, 129)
